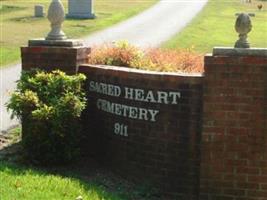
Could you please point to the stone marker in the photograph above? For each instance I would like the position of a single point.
(81, 9)
(39, 11)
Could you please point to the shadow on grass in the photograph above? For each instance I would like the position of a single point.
(9, 8)
(26, 19)
(79, 19)
(89, 175)
(68, 186)
(86, 174)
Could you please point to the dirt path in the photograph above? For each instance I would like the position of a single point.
(150, 28)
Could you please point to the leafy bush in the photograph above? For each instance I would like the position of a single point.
(49, 105)
(124, 54)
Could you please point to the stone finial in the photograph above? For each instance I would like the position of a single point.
(56, 16)
(243, 26)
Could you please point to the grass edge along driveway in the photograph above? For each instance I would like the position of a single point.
(214, 26)
(18, 24)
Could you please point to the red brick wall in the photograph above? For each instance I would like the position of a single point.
(231, 126)
(234, 137)
(66, 59)
(164, 152)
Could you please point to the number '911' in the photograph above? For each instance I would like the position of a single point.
(121, 129)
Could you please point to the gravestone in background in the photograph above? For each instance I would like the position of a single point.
(39, 11)
(80, 9)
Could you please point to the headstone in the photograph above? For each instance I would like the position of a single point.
(81, 9)
(39, 11)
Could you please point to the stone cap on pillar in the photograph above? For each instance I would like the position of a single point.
(56, 37)
(55, 43)
(230, 51)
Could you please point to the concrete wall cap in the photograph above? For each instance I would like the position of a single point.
(55, 43)
(230, 51)
(127, 69)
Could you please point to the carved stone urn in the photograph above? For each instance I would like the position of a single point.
(243, 26)
(56, 16)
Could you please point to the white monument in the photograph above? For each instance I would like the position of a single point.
(81, 9)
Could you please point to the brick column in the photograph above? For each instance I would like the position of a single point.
(44, 56)
(234, 139)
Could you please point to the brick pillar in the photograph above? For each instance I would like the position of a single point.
(45, 56)
(234, 139)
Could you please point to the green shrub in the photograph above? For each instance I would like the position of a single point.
(49, 105)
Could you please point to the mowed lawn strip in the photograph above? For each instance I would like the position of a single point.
(214, 26)
(18, 24)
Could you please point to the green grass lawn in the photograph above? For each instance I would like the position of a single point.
(18, 24)
(214, 26)
(18, 182)
(24, 182)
